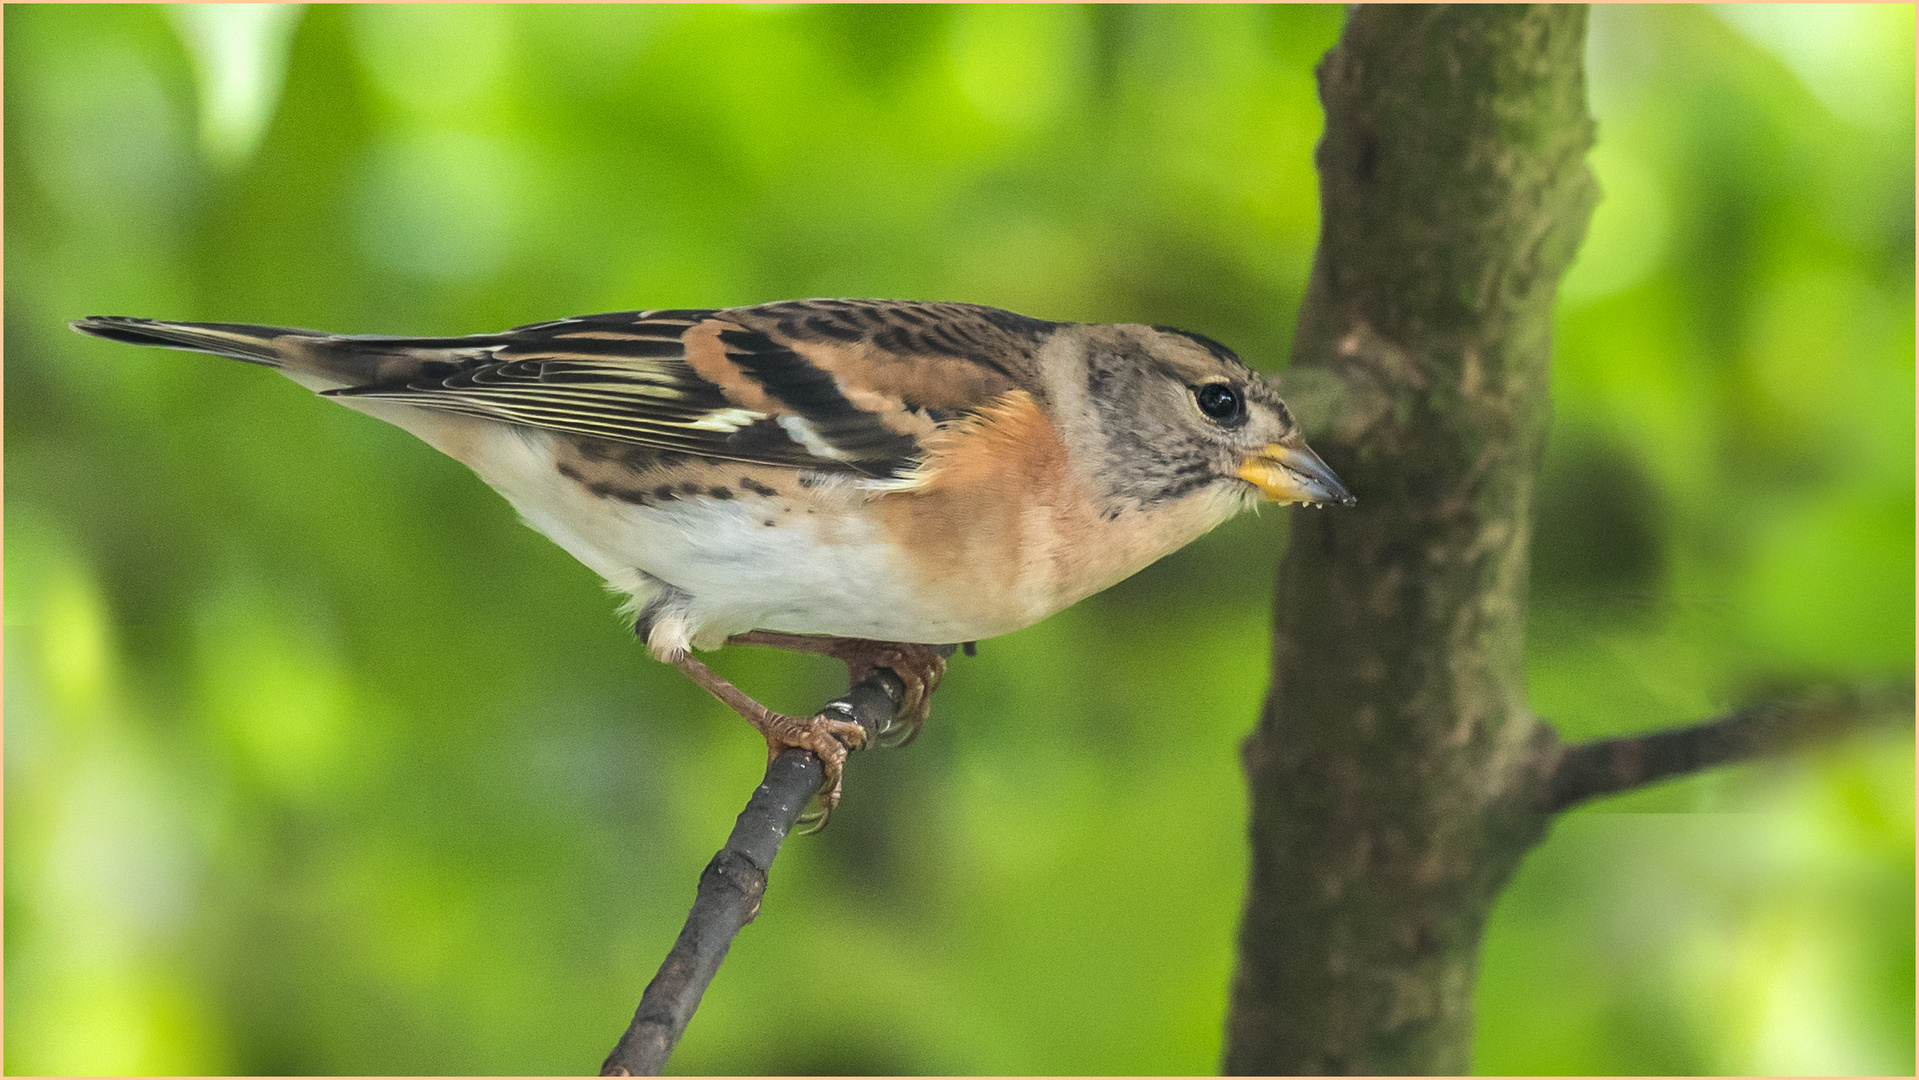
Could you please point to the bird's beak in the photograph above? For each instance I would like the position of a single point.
(1288, 474)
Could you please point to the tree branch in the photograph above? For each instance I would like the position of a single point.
(1588, 770)
(732, 884)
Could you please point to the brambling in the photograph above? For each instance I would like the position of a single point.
(868, 480)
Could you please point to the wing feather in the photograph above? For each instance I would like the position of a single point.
(823, 385)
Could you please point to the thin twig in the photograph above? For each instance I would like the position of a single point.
(1588, 770)
(732, 884)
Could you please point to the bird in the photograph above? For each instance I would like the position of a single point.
(875, 481)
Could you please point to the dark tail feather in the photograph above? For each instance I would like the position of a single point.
(254, 344)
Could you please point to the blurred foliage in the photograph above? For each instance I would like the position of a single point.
(316, 761)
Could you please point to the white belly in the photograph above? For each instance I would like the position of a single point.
(824, 573)
(798, 576)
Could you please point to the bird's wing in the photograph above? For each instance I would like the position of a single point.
(837, 385)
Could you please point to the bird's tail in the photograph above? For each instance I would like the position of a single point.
(316, 360)
(273, 346)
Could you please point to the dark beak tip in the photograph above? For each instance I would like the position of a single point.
(1332, 492)
(1341, 497)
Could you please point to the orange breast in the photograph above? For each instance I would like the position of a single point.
(1005, 527)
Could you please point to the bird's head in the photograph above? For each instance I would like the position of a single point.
(1180, 413)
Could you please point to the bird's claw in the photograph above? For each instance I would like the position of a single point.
(827, 738)
(919, 668)
(812, 821)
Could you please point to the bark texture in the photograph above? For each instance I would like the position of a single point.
(1394, 770)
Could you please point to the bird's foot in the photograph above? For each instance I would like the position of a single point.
(826, 737)
(919, 668)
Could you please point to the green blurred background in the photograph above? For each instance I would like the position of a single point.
(317, 761)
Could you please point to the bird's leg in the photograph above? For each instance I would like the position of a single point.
(826, 738)
(919, 667)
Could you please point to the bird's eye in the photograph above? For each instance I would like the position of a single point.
(1221, 402)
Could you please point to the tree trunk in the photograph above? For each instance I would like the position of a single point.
(1395, 768)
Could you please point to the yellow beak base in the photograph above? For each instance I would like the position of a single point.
(1288, 475)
